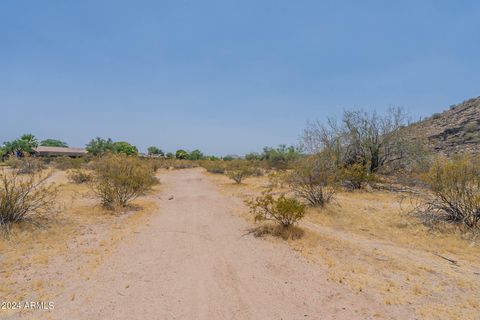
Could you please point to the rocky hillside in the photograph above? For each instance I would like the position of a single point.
(454, 131)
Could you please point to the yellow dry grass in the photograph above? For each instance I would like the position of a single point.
(79, 237)
(367, 242)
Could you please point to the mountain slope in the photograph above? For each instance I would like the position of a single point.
(454, 131)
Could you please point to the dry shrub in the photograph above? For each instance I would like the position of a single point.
(276, 230)
(238, 170)
(27, 165)
(25, 198)
(66, 163)
(356, 176)
(455, 191)
(214, 166)
(282, 210)
(314, 179)
(278, 179)
(119, 179)
(79, 176)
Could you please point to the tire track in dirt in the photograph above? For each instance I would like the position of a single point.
(192, 262)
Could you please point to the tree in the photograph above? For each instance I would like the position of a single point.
(370, 139)
(19, 147)
(155, 151)
(195, 155)
(170, 155)
(99, 146)
(181, 154)
(280, 157)
(30, 141)
(125, 148)
(53, 143)
(253, 156)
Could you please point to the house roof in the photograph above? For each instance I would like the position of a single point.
(60, 150)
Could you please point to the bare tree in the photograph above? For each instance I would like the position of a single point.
(371, 139)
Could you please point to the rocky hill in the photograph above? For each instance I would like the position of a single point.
(454, 131)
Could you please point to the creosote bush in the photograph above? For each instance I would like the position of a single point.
(455, 187)
(314, 179)
(238, 170)
(119, 179)
(27, 165)
(282, 210)
(25, 198)
(65, 163)
(214, 166)
(355, 176)
(79, 176)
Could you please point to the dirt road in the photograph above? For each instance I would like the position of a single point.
(194, 261)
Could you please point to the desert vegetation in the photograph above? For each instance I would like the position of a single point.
(454, 196)
(350, 186)
(25, 198)
(118, 179)
(283, 210)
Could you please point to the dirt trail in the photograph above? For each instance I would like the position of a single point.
(194, 261)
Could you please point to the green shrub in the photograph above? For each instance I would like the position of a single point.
(471, 127)
(125, 148)
(455, 191)
(119, 179)
(238, 170)
(282, 210)
(314, 179)
(24, 198)
(355, 176)
(181, 154)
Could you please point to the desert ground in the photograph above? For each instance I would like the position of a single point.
(190, 250)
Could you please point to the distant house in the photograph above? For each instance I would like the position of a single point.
(59, 152)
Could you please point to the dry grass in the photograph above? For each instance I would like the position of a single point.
(72, 245)
(367, 243)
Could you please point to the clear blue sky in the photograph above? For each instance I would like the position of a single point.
(227, 77)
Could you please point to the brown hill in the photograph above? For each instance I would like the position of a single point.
(454, 131)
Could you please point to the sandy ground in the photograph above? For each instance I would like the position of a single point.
(195, 260)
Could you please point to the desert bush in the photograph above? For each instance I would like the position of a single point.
(238, 170)
(24, 198)
(79, 176)
(66, 163)
(355, 176)
(455, 191)
(26, 165)
(282, 210)
(119, 179)
(314, 179)
(215, 166)
(278, 179)
(471, 127)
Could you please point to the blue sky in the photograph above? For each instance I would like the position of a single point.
(227, 77)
